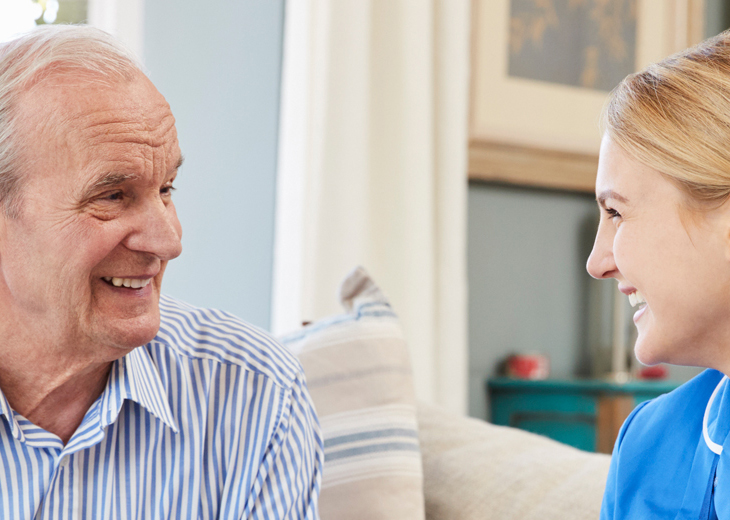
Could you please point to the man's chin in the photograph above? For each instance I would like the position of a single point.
(127, 334)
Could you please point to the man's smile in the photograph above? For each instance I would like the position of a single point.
(132, 283)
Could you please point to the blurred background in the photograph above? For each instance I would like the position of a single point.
(448, 146)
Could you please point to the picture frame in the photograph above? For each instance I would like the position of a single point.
(542, 133)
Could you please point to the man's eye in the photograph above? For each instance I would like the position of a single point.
(113, 196)
(167, 189)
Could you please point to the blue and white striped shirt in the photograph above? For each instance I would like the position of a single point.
(211, 419)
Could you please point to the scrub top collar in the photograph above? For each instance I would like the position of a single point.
(715, 427)
(716, 434)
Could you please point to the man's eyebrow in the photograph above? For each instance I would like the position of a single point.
(610, 194)
(180, 162)
(114, 179)
(109, 180)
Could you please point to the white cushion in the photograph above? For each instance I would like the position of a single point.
(359, 376)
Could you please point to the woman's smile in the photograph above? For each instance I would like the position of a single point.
(636, 299)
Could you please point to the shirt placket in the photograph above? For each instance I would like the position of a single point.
(62, 496)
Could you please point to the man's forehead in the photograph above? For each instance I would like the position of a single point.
(92, 97)
(122, 110)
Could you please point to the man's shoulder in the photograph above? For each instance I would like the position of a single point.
(219, 337)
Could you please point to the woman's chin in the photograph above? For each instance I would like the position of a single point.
(648, 354)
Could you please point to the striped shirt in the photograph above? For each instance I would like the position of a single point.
(211, 419)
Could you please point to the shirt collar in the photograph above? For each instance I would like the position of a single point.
(133, 377)
(136, 377)
(5, 410)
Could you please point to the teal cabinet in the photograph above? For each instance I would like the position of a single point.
(586, 414)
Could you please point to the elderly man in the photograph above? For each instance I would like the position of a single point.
(116, 402)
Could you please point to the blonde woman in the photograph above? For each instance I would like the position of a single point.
(663, 189)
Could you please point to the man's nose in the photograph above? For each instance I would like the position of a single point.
(601, 263)
(157, 231)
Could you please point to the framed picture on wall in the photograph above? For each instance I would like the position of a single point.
(542, 71)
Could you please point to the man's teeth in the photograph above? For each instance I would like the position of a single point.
(132, 283)
(636, 298)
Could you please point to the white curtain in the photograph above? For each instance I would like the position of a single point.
(122, 18)
(372, 172)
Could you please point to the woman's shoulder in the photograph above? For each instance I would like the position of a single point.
(686, 404)
(672, 419)
(659, 438)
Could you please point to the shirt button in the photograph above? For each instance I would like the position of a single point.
(63, 463)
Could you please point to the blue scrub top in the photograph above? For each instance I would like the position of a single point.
(672, 456)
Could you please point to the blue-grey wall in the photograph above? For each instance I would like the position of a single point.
(527, 280)
(218, 63)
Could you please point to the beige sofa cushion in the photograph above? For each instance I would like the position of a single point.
(359, 376)
(476, 470)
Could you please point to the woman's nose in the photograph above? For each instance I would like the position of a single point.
(600, 262)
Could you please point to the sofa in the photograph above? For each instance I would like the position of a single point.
(388, 456)
(476, 470)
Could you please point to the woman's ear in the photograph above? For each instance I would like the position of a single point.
(726, 242)
(724, 223)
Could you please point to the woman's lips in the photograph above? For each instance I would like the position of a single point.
(638, 314)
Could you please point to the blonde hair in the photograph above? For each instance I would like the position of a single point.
(674, 116)
(46, 52)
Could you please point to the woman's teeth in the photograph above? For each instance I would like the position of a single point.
(132, 283)
(636, 298)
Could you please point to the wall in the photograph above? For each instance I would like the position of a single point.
(218, 63)
(527, 281)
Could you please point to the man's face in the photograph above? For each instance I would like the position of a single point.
(98, 166)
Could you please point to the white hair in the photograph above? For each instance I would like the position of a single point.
(46, 52)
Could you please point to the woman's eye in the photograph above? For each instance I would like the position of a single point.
(612, 213)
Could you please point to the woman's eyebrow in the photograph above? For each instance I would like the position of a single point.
(610, 194)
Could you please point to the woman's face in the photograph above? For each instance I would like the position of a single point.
(674, 261)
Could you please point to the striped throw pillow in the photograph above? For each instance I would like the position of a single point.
(359, 375)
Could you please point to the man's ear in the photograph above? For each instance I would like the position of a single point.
(3, 223)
